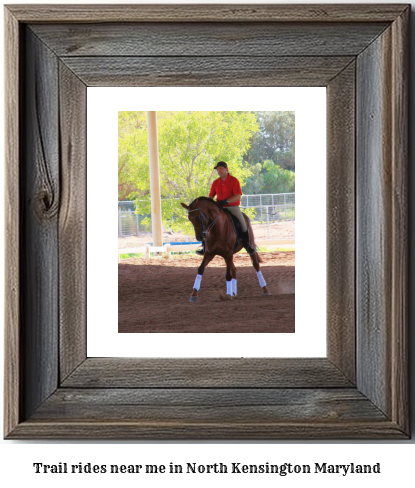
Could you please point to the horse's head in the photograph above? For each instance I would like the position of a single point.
(195, 216)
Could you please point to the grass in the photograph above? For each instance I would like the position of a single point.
(273, 249)
(141, 255)
(132, 255)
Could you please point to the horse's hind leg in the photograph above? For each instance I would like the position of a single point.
(207, 258)
(262, 282)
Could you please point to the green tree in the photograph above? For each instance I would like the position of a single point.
(132, 177)
(189, 145)
(273, 143)
(277, 179)
(275, 140)
(255, 183)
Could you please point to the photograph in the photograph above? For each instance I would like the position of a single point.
(206, 194)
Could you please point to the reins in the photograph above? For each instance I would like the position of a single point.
(205, 219)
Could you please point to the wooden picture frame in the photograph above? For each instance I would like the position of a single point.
(360, 53)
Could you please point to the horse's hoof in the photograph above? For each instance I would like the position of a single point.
(193, 299)
(266, 294)
(225, 298)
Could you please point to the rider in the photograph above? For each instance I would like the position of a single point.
(228, 194)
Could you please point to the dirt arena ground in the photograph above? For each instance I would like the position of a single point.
(153, 295)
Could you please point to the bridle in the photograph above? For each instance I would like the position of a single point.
(205, 220)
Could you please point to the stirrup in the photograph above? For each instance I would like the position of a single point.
(201, 252)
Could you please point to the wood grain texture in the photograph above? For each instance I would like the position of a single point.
(341, 236)
(400, 263)
(209, 405)
(183, 39)
(382, 223)
(206, 13)
(373, 221)
(72, 222)
(206, 373)
(40, 203)
(13, 383)
(206, 71)
(188, 430)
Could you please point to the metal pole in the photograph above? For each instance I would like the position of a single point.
(157, 226)
(260, 202)
(267, 224)
(285, 207)
(119, 222)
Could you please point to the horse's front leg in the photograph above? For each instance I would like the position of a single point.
(234, 288)
(230, 276)
(207, 258)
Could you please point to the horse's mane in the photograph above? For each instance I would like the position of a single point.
(204, 199)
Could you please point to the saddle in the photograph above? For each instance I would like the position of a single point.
(237, 228)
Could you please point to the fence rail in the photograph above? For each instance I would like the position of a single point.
(265, 208)
(168, 249)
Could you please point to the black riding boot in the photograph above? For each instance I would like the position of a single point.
(246, 244)
(201, 252)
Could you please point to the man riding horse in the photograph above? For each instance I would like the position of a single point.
(227, 190)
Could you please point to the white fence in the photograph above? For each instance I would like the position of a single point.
(266, 209)
(168, 248)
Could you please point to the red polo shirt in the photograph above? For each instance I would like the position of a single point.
(226, 189)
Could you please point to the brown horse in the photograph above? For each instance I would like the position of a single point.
(215, 227)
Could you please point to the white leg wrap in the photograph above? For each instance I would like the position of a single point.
(261, 279)
(229, 288)
(198, 279)
(234, 286)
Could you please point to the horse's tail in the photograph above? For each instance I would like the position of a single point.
(254, 256)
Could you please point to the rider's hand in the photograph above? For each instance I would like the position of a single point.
(222, 203)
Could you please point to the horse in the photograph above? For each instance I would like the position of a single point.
(215, 226)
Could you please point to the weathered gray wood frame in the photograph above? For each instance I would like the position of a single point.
(359, 52)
